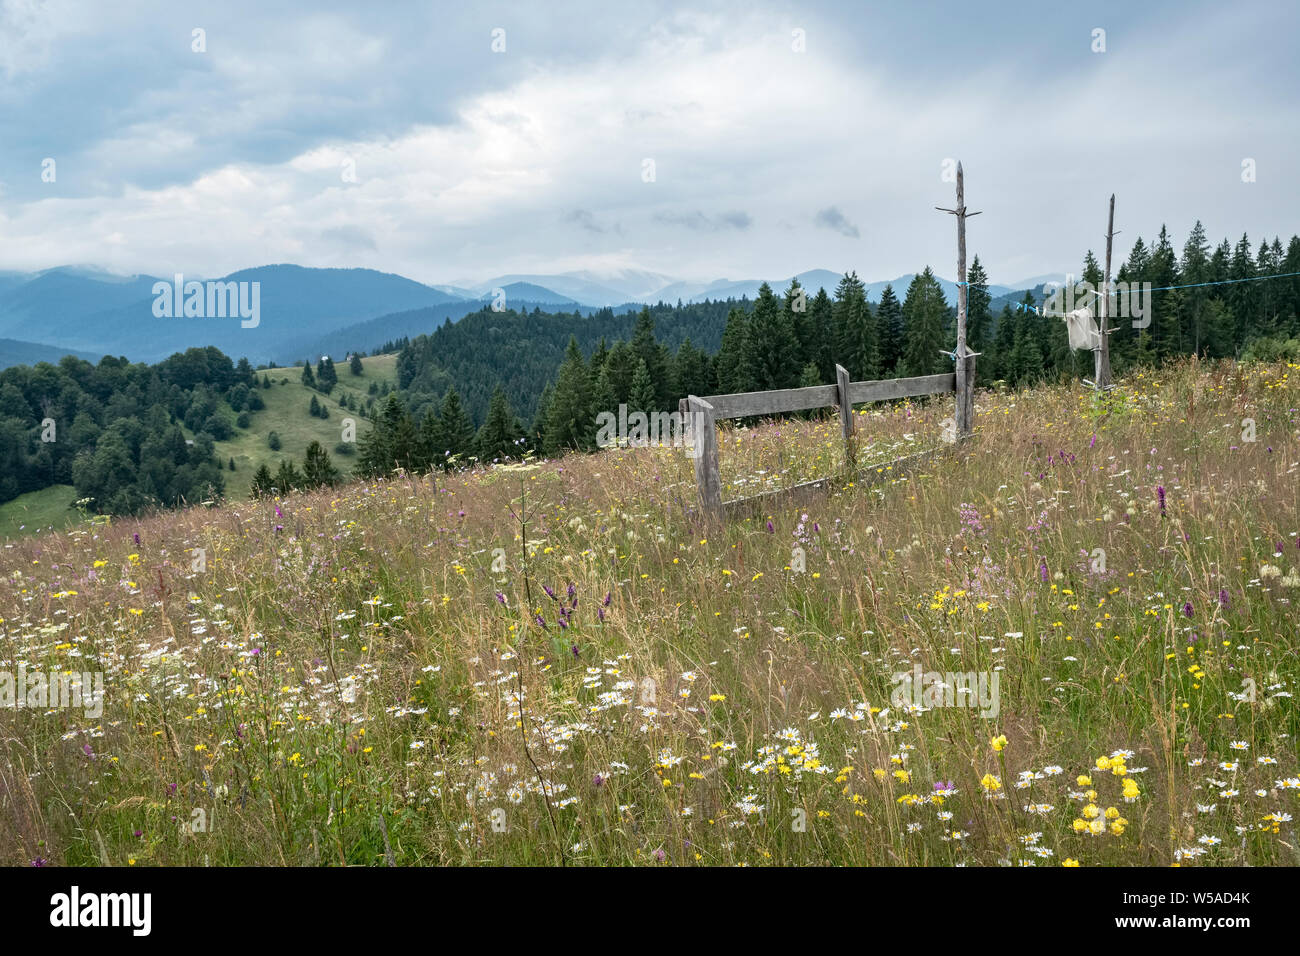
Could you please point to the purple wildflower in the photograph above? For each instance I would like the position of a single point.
(1160, 496)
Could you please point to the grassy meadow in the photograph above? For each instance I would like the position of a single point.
(556, 663)
(286, 413)
(53, 507)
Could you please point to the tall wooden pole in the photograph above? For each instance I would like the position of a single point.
(1101, 372)
(964, 360)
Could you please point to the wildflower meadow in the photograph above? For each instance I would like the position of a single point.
(561, 663)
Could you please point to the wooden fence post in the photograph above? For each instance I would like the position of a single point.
(704, 437)
(846, 413)
(965, 381)
(966, 397)
(1101, 359)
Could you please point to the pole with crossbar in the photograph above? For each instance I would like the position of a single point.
(963, 358)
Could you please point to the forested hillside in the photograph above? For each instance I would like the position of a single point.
(496, 385)
(1232, 305)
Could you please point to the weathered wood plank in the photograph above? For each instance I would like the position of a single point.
(842, 383)
(754, 504)
(842, 399)
(704, 438)
(891, 388)
(965, 415)
(775, 402)
(868, 475)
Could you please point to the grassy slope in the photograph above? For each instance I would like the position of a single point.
(37, 510)
(286, 414)
(355, 653)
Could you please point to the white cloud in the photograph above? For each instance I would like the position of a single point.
(752, 145)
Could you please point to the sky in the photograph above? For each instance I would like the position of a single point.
(453, 142)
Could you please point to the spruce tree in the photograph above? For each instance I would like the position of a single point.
(429, 446)
(732, 374)
(998, 360)
(1026, 361)
(979, 318)
(456, 429)
(317, 469)
(889, 322)
(646, 349)
(500, 432)
(603, 398)
(390, 443)
(570, 421)
(642, 397)
(263, 482)
(326, 376)
(308, 378)
(1195, 268)
(541, 415)
(795, 306)
(693, 373)
(1166, 335)
(823, 339)
(287, 478)
(619, 366)
(851, 325)
(769, 342)
(924, 315)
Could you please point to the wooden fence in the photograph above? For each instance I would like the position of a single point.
(703, 414)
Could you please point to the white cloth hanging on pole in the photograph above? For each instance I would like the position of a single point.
(1084, 333)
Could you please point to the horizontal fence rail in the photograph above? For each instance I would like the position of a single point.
(745, 404)
(890, 388)
(703, 414)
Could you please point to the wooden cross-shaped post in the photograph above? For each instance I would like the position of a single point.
(964, 359)
(1101, 370)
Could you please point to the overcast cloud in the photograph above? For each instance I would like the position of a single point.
(695, 140)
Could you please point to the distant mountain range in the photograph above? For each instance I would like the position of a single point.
(304, 312)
